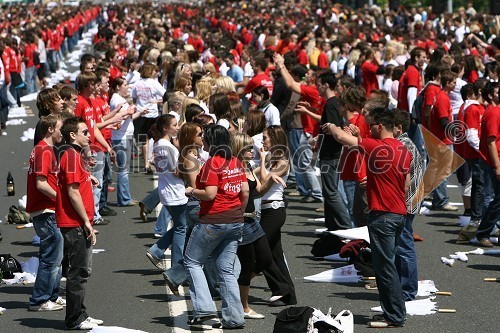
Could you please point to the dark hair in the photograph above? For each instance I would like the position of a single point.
(202, 119)
(47, 122)
(261, 90)
(479, 85)
(218, 139)
(447, 76)
(466, 91)
(490, 67)
(260, 61)
(431, 72)
(85, 79)
(193, 110)
(383, 116)
(329, 79)
(115, 83)
(398, 72)
(416, 52)
(469, 65)
(66, 92)
(401, 117)
(488, 90)
(69, 126)
(156, 130)
(45, 101)
(299, 71)
(279, 143)
(87, 57)
(353, 98)
(220, 104)
(345, 81)
(255, 122)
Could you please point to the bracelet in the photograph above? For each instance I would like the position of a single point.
(192, 192)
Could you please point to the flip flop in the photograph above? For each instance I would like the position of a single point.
(253, 315)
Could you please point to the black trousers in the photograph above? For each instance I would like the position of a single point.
(78, 250)
(277, 274)
(254, 258)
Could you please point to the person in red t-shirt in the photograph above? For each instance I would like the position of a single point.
(259, 65)
(441, 159)
(388, 179)
(30, 77)
(490, 148)
(41, 204)
(222, 188)
(74, 215)
(430, 91)
(369, 70)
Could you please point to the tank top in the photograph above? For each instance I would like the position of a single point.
(275, 193)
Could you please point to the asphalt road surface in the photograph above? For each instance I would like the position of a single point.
(126, 290)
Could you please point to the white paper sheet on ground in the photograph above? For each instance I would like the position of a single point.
(29, 97)
(354, 233)
(18, 112)
(22, 201)
(335, 257)
(29, 134)
(114, 329)
(420, 307)
(346, 274)
(30, 266)
(320, 231)
(19, 278)
(463, 221)
(451, 186)
(425, 211)
(319, 219)
(15, 122)
(426, 288)
(456, 203)
(98, 250)
(2, 310)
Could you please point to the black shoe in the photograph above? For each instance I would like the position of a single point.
(467, 212)
(106, 211)
(291, 186)
(309, 199)
(198, 321)
(219, 325)
(101, 221)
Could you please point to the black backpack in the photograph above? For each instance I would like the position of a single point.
(326, 245)
(295, 319)
(8, 266)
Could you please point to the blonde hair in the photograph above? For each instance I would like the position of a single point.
(175, 97)
(353, 58)
(389, 54)
(203, 90)
(225, 82)
(181, 82)
(210, 68)
(240, 143)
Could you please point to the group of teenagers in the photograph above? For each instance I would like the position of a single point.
(223, 164)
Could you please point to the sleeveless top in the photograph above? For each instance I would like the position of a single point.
(275, 193)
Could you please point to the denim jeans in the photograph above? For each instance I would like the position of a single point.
(384, 229)
(415, 135)
(220, 241)
(161, 225)
(406, 261)
(48, 276)
(294, 143)
(492, 214)
(443, 166)
(477, 192)
(98, 172)
(488, 186)
(4, 101)
(303, 162)
(177, 238)
(350, 190)
(30, 80)
(106, 177)
(151, 200)
(123, 149)
(336, 213)
(78, 250)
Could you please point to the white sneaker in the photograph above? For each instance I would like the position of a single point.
(47, 306)
(60, 301)
(63, 279)
(84, 325)
(95, 321)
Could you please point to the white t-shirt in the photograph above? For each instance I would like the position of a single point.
(272, 115)
(248, 70)
(224, 123)
(171, 188)
(145, 91)
(127, 128)
(456, 100)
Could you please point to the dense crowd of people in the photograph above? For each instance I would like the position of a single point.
(232, 105)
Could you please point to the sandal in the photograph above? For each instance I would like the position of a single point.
(383, 324)
(253, 315)
(371, 286)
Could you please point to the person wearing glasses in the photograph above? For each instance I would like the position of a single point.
(74, 216)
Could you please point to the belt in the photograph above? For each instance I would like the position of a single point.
(273, 205)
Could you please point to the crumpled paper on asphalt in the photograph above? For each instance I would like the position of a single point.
(114, 329)
(419, 307)
(346, 274)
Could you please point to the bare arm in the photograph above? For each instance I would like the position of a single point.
(340, 135)
(207, 194)
(244, 194)
(287, 77)
(43, 186)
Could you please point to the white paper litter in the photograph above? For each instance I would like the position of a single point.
(20, 278)
(2, 310)
(15, 122)
(97, 250)
(320, 231)
(354, 233)
(447, 261)
(451, 186)
(114, 329)
(420, 307)
(29, 97)
(459, 256)
(426, 288)
(30, 266)
(346, 274)
(425, 211)
(463, 221)
(22, 201)
(335, 257)
(28, 225)
(29, 134)
(17, 112)
(319, 219)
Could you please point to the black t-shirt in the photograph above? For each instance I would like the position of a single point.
(331, 148)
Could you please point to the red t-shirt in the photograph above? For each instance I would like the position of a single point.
(388, 163)
(72, 170)
(260, 80)
(490, 127)
(441, 109)
(309, 94)
(411, 78)
(85, 109)
(352, 166)
(429, 97)
(228, 176)
(458, 147)
(323, 60)
(302, 57)
(101, 108)
(369, 76)
(472, 120)
(114, 72)
(43, 162)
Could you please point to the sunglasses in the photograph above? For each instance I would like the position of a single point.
(85, 132)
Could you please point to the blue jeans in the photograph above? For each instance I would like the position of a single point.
(161, 225)
(384, 229)
(488, 186)
(48, 277)
(442, 165)
(221, 242)
(151, 200)
(106, 177)
(176, 273)
(303, 161)
(30, 80)
(477, 192)
(406, 261)
(415, 135)
(123, 149)
(98, 172)
(350, 190)
(294, 143)
(336, 213)
(492, 214)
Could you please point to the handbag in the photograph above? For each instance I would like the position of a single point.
(17, 216)
(8, 266)
(295, 319)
